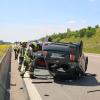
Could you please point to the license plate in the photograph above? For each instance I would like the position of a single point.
(57, 55)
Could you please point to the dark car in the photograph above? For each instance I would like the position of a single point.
(66, 58)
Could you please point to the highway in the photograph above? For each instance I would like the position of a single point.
(86, 88)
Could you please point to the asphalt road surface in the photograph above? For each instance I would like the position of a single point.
(86, 88)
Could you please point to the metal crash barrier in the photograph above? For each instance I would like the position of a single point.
(4, 69)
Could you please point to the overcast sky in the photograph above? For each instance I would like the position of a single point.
(33, 19)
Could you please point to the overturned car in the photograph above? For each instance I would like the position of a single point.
(66, 58)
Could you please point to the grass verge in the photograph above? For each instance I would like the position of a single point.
(3, 50)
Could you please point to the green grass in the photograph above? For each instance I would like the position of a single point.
(3, 49)
(91, 45)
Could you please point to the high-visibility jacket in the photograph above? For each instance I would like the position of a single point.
(22, 51)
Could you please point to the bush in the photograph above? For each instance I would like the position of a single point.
(97, 26)
(82, 32)
(90, 32)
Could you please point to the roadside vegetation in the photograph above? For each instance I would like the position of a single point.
(89, 35)
(3, 49)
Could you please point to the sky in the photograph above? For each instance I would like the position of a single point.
(22, 20)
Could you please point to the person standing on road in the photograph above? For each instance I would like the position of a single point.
(29, 60)
(21, 55)
(16, 50)
(26, 61)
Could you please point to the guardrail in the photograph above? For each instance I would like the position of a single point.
(4, 69)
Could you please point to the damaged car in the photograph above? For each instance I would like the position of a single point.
(66, 58)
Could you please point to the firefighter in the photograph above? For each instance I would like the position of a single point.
(16, 50)
(21, 54)
(34, 49)
(29, 60)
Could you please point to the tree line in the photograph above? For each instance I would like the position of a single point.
(88, 32)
